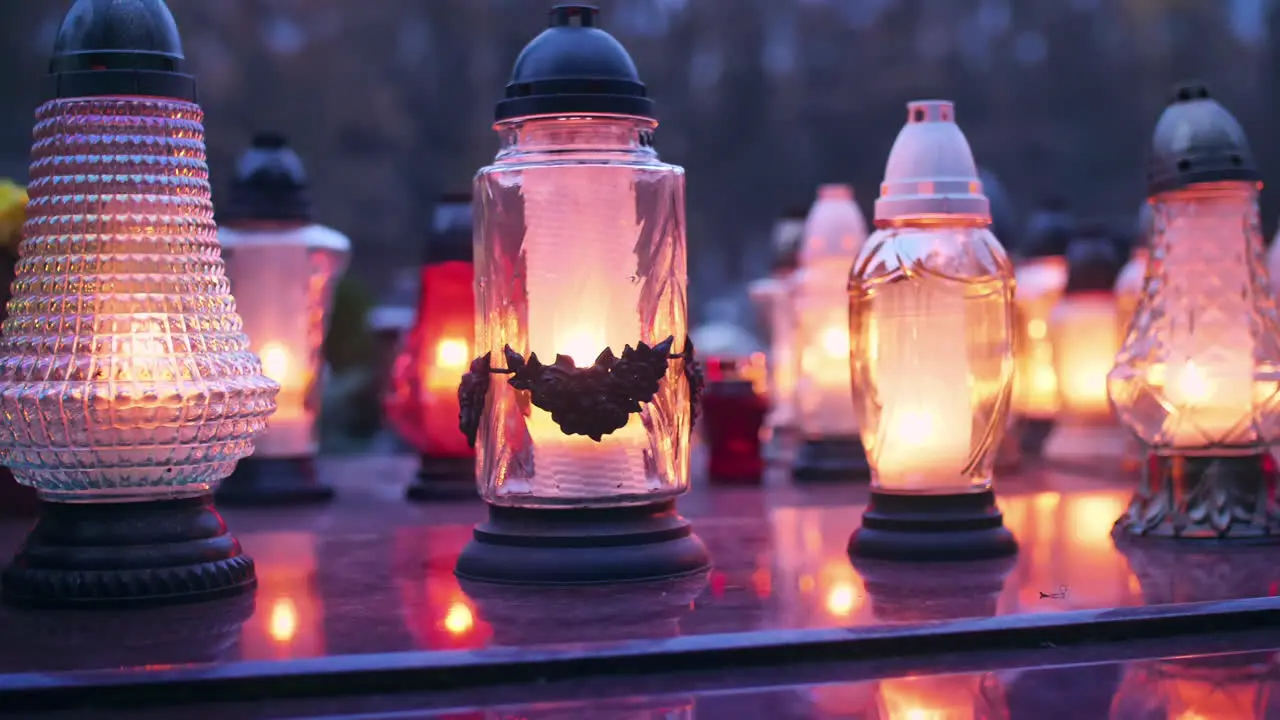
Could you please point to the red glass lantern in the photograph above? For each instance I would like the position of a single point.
(733, 413)
(422, 401)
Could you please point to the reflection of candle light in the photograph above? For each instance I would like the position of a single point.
(284, 620)
(1037, 330)
(835, 343)
(275, 362)
(929, 698)
(840, 599)
(459, 619)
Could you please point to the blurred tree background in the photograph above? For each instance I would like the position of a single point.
(390, 101)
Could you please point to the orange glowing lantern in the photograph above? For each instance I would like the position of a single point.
(1085, 330)
(422, 400)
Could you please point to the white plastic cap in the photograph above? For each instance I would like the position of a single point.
(931, 170)
(835, 227)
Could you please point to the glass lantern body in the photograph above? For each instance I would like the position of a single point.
(834, 233)
(283, 278)
(1200, 367)
(1129, 286)
(123, 367)
(1086, 334)
(732, 416)
(580, 246)
(931, 318)
(422, 403)
(1041, 282)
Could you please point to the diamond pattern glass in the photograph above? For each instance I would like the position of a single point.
(124, 371)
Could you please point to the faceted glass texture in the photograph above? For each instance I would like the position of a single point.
(124, 370)
(1200, 367)
(931, 323)
(580, 245)
(283, 279)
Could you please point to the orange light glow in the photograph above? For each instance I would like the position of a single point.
(284, 620)
(275, 361)
(841, 599)
(452, 353)
(835, 342)
(459, 619)
(944, 697)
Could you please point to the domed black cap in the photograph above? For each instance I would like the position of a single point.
(1048, 231)
(270, 183)
(1092, 261)
(119, 47)
(1197, 141)
(574, 67)
(451, 224)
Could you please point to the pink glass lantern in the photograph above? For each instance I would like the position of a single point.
(129, 383)
(422, 402)
(581, 400)
(1198, 376)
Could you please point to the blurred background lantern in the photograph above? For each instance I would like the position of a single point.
(582, 395)
(15, 498)
(1041, 273)
(1129, 286)
(828, 426)
(1198, 375)
(732, 415)
(421, 403)
(283, 268)
(970, 696)
(774, 300)
(1085, 329)
(126, 424)
(931, 313)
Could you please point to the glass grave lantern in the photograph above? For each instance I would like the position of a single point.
(284, 268)
(773, 296)
(581, 400)
(1197, 377)
(1085, 330)
(129, 385)
(733, 414)
(931, 316)
(422, 401)
(1041, 273)
(829, 448)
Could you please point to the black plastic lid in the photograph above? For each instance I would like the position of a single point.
(1197, 140)
(451, 225)
(1048, 231)
(1092, 262)
(573, 68)
(270, 183)
(119, 47)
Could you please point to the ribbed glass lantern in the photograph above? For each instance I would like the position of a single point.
(127, 378)
(581, 398)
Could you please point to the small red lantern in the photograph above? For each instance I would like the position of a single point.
(733, 413)
(422, 401)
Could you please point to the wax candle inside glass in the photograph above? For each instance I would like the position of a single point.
(1086, 335)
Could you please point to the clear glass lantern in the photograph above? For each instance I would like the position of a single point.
(1040, 282)
(774, 295)
(1198, 375)
(1086, 332)
(834, 232)
(930, 313)
(283, 269)
(421, 403)
(580, 249)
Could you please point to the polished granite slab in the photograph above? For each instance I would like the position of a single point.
(370, 576)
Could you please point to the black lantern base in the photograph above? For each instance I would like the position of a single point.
(932, 528)
(441, 478)
(273, 481)
(830, 460)
(581, 546)
(1211, 500)
(95, 555)
(1033, 433)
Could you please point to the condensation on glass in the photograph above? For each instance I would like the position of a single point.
(124, 369)
(283, 279)
(933, 367)
(1200, 366)
(580, 246)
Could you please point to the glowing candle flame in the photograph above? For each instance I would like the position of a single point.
(459, 619)
(452, 353)
(840, 599)
(275, 361)
(835, 342)
(284, 620)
